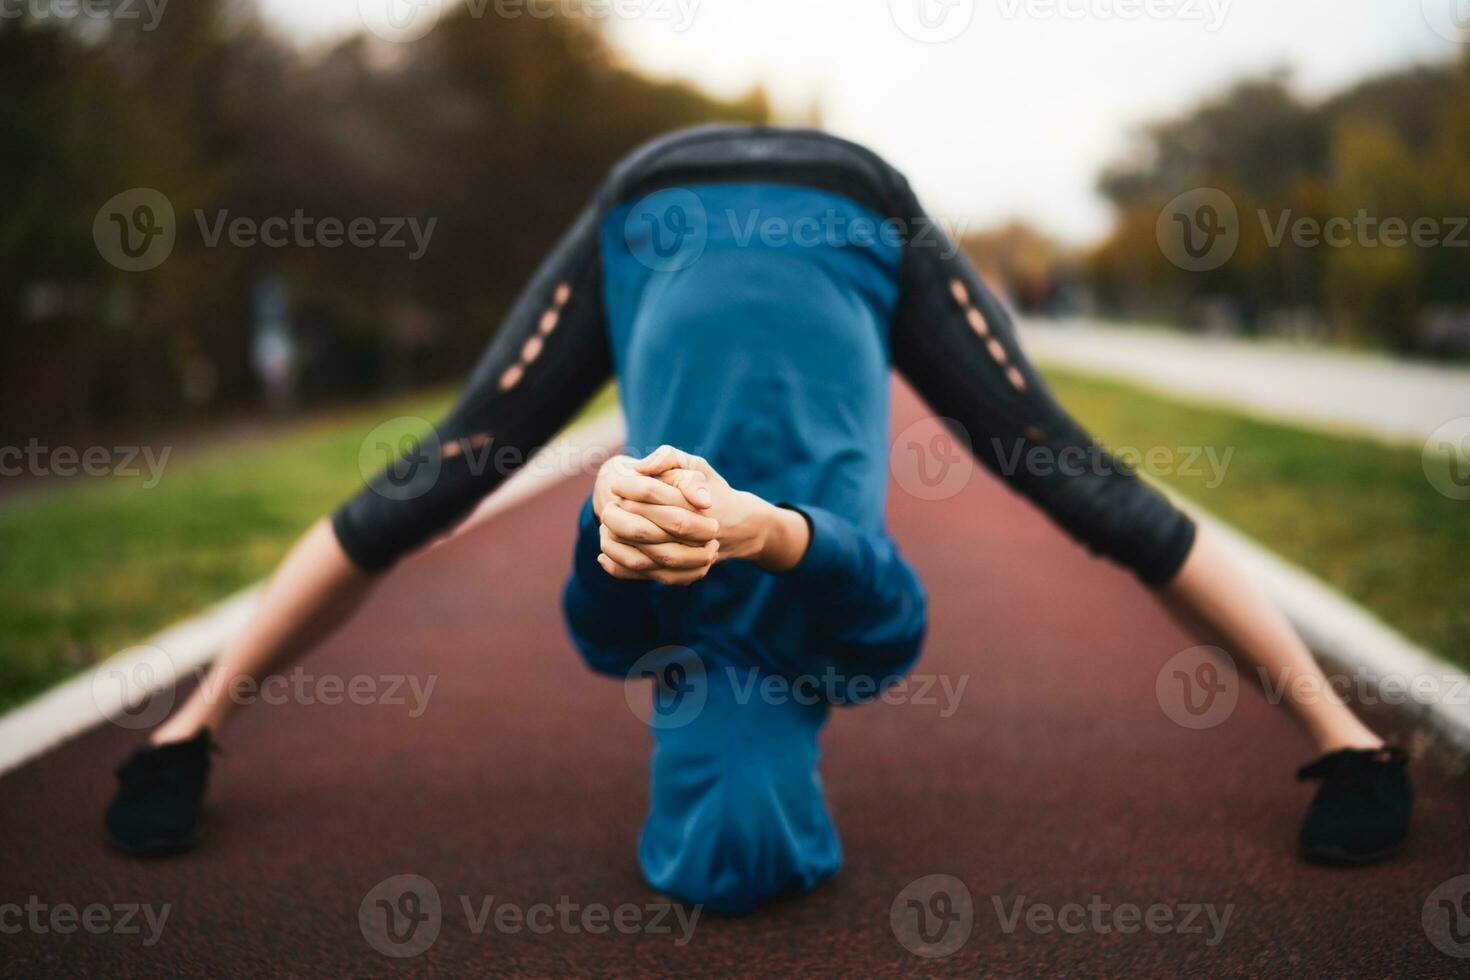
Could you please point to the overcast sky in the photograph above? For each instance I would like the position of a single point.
(1016, 112)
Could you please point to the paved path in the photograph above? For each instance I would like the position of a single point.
(1397, 400)
(1057, 782)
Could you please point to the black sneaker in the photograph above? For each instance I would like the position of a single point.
(160, 789)
(1361, 812)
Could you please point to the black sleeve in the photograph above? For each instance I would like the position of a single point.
(956, 345)
(550, 356)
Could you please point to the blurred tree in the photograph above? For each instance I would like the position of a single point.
(1035, 272)
(495, 129)
(1370, 285)
(1380, 156)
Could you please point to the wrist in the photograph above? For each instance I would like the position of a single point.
(785, 537)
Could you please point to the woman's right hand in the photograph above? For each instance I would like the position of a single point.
(677, 550)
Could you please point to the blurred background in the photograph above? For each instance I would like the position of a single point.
(499, 127)
(1062, 139)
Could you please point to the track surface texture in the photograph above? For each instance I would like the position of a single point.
(1059, 780)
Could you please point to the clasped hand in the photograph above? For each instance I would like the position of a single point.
(669, 517)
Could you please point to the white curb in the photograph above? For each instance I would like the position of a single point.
(1353, 642)
(76, 705)
(94, 696)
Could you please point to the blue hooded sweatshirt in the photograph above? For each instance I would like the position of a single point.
(749, 325)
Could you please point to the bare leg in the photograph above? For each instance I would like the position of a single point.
(1212, 587)
(313, 591)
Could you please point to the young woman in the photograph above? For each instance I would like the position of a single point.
(751, 287)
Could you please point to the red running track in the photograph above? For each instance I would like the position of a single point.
(1057, 779)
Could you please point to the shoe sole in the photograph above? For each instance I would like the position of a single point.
(1342, 859)
(156, 848)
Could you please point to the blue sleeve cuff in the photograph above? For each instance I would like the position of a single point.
(834, 557)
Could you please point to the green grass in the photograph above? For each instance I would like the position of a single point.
(1358, 513)
(101, 562)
